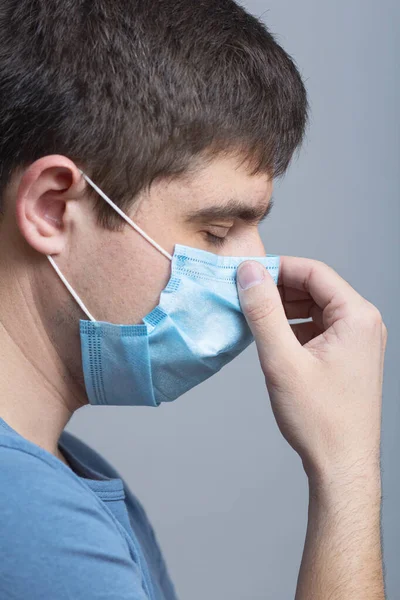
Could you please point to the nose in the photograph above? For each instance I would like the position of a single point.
(249, 243)
(252, 244)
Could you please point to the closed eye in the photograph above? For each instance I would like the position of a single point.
(215, 239)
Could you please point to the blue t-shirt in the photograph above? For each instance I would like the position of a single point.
(72, 533)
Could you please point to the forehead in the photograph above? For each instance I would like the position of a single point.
(221, 181)
(224, 179)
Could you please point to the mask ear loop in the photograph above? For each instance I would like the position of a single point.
(129, 221)
(70, 289)
(126, 218)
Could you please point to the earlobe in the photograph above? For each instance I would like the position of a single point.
(43, 193)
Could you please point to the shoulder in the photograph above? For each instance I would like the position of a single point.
(87, 455)
(23, 464)
(43, 501)
(57, 540)
(26, 470)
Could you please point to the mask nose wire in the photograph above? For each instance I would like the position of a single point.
(129, 221)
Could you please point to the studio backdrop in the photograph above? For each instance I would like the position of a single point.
(226, 494)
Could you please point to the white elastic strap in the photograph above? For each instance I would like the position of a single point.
(70, 289)
(127, 219)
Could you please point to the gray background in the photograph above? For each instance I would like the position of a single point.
(226, 494)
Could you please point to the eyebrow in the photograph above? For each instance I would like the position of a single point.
(234, 209)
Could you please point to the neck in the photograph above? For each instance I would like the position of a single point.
(38, 394)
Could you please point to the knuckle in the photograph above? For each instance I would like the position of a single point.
(318, 263)
(375, 316)
(316, 267)
(366, 317)
(259, 312)
(370, 317)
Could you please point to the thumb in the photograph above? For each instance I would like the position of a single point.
(261, 304)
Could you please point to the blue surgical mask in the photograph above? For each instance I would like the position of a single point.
(196, 329)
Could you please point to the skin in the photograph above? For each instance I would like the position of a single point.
(324, 378)
(118, 274)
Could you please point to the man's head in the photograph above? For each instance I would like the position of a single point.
(183, 112)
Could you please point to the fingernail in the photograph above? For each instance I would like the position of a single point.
(250, 274)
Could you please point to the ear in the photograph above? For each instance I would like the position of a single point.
(41, 203)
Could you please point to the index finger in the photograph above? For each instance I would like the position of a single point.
(314, 277)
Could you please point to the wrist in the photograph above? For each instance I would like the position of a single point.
(346, 483)
(343, 467)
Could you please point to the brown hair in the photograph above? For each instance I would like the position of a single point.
(136, 90)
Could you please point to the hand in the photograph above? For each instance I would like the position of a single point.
(324, 377)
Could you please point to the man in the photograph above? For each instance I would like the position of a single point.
(139, 142)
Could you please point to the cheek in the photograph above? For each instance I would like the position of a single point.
(126, 281)
(148, 279)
